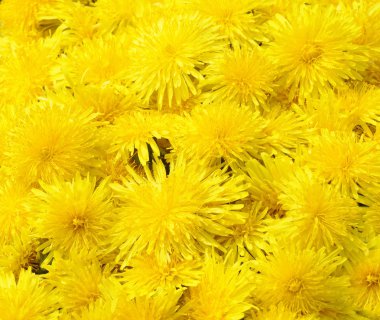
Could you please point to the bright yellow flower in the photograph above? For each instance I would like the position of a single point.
(163, 305)
(219, 131)
(355, 108)
(19, 18)
(222, 292)
(20, 253)
(325, 113)
(344, 160)
(73, 215)
(370, 198)
(26, 70)
(364, 274)
(303, 280)
(276, 313)
(76, 21)
(146, 275)
(367, 15)
(284, 130)
(107, 100)
(137, 132)
(116, 169)
(52, 141)
(236, 19)
(176, 215)
(317, 215)
(98, 61)
(99, 310)
(249, 239)
(314, 51)
(240, 76)
(80, 281)
(14, 217)
(27, 298)
(360, 105)
(167, 57)
(9, 116)
(118, 14)
(263, 176)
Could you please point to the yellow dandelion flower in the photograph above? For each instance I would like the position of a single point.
(355, 108)
(9, 117)
(267, 10)
(167, 57)
(364, 274)
(317, 214)
(371, 199)
(26, 69)
(96, 61)
(79, 281)
(77, 21)
(14, 218)
(303, 280)
(367, 15)
(138, 132)
(263, 176)
(276, 313)
(176, 215)
(118, 14)
(314, 51)
(222, 292)
(250, 238)
(359, 105)
(115, 169)
(219, 131)
(284, 130)
(240, 75)
(372, 74)
(236, 19)
(20, 253)
(164, 305)
(145, 275)
(344, 160)
(6, 123)
(184, 106)
(52, 141)
(73, 215)
(325, 113)
(27, 298)
(19, 19)
(99, 310)
(107, 100)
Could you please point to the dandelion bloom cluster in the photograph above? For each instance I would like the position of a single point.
(189, 159)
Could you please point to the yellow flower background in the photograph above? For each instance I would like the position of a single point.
(189, 159)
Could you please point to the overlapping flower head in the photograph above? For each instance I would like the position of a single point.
(189, 159)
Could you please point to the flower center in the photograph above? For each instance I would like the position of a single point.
(310, 53)
(171, 50)
(226, 16)
(46, 154)
(295, 285)
(242, 84)
(373, 280)
(79, 223)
